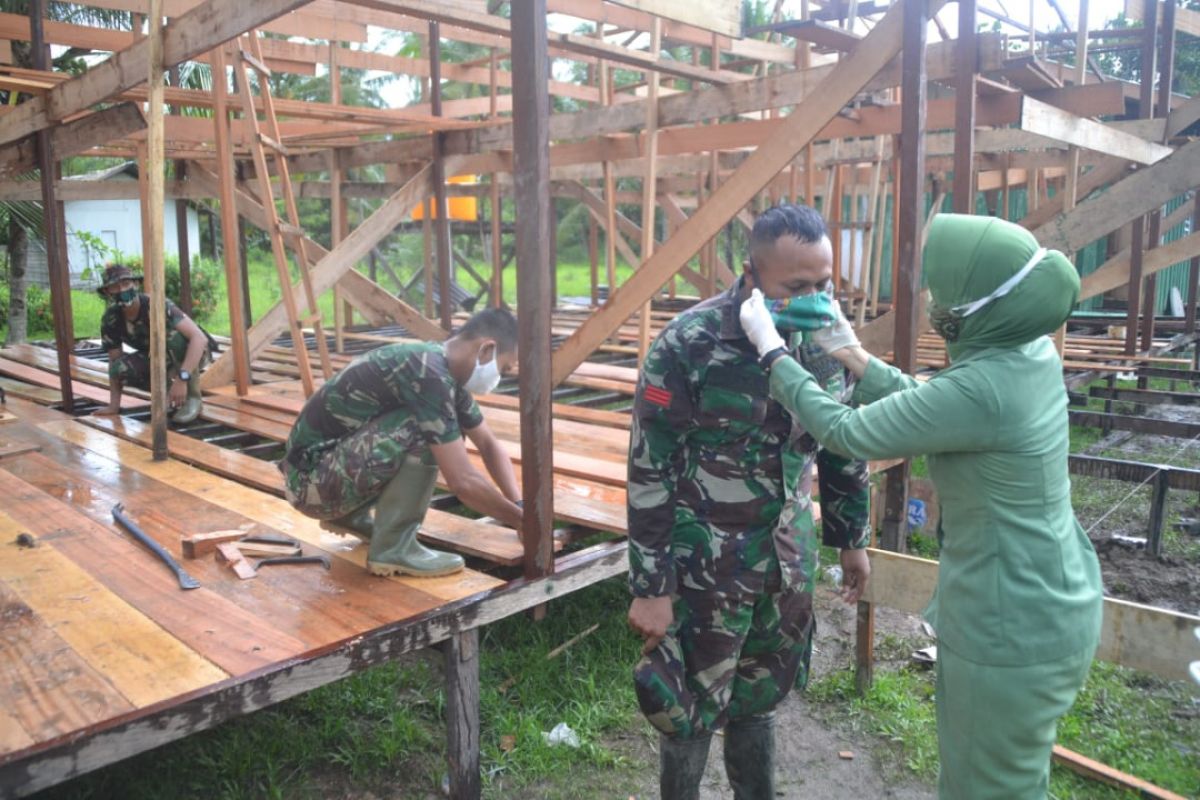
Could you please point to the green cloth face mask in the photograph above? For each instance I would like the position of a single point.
(125, 298)
(800, 314)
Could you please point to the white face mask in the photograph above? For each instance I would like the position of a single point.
(484, 378)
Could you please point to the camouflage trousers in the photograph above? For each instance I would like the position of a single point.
(353, 471)
(725, 658)
(133, 369)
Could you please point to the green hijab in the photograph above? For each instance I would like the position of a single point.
(969, 257)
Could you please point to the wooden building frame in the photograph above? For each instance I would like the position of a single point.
(853, 110)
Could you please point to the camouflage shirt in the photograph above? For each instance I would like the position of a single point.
(720, 476)
(410, 380)
(115, 330)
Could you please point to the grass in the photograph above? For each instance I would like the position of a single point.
(383, 729)
(1122, 718)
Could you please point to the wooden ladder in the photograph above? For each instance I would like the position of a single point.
(250, 57)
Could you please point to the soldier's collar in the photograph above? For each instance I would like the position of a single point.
(731, 306)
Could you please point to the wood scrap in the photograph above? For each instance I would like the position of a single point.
(1090, 768)
(201, 544)
(228, 553)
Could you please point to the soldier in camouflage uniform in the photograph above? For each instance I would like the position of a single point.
(126, 321)
(722, 543)
(374, 436)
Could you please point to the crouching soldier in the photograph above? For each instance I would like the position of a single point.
(126, 321)
(365, 451)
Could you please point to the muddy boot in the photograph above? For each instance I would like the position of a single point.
(357, 523)
(750, 756)
(398, 514)
(681, 765)
(193, 404)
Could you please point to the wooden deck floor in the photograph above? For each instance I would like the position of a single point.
(95, 631)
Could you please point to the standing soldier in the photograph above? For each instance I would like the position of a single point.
(723, 546)
(126, 321)
(374, 436)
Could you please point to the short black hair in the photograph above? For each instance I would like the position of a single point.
(787, 219)
(492, 323)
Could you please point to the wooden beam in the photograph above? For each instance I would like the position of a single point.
(1054, 123)
(197, 31)
(1114, 273)
(713, 15)
(964, 110)
(878, 48)
(531, 158)
(649, 184)
(75, 137)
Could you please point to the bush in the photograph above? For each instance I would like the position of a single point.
(39, 320)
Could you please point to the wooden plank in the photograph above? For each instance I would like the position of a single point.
(1090, 768)
(1115, 272)
(270, 511)
(39, 377)
(46, 688)
(75, 137)
(797, 130)
(1141, 637)
(718, 16)
(1054, 123)
(195, 32)
(124, 736)
(141, 660)
(129, 572)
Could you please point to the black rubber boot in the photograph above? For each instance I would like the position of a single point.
(750, 757)
(681, 765)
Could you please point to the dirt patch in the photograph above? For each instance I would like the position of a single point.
(1116, 516)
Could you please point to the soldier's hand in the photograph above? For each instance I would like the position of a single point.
(177, 393)
(650, 617)
(856, 571)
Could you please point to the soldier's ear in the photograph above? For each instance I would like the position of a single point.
(487, 351)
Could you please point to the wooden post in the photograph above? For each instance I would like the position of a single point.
(594, 259)
(966, 63)
(1145, 111)
(1193, 293)
(182, 245)
(56, 245)
(338, 223)
(911, 199)
(231, 226)
(649, 179)
(494, 193)
(461, 653)
(1158, 512)
(531, 174)
(152, 237)
(610, 193)
(1165, 71)
(441, 223)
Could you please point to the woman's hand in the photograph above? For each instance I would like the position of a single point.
(837, 337)
(758, 325)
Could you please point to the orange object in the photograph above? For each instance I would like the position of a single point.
(465, 209)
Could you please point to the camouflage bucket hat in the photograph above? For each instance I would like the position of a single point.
(114, 274)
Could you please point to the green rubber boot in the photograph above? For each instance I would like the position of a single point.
(399, 512)
(750, 756)
(681, 765)
(193, 405)
(357, 523)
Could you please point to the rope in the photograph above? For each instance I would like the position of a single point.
(1149, 478)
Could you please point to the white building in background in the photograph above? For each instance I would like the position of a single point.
(116, 222)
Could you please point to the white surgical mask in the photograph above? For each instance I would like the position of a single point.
(484, 378)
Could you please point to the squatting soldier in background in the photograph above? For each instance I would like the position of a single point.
(723, 546)
(375, 435)
(127, 321)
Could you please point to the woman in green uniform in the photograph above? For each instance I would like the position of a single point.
(1018, 605)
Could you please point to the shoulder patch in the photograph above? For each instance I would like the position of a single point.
(657, 396)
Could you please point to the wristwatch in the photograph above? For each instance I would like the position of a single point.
(772, 356)
(184, 375)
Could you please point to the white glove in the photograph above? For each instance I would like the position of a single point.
(838, 336)
(759, 326)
